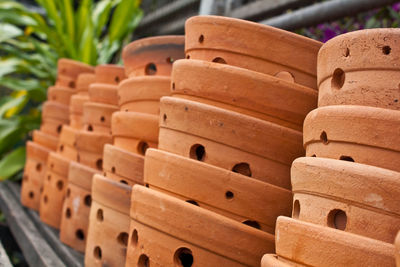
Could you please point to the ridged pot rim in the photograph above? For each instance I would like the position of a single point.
(81, 175)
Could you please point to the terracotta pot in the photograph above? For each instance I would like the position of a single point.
(134, 131)
(54, 188)
(110, 74)
(108, 223)
(305, 244)
(72, 68)
(83, 82)
(123, 166)
(54, 115)
(397, 248)
(76, 110)
(97, 117)
(321, 198)
(153, 56)
(248, 201)
(244, 91)
(76, 208)
(172, 232)
(361, 134)
(61, 95)
(229, 140)
(90, 148)
(253, 46)
(45, 140)
(65, 81)
(142, 94)
(34, 173)
(104, 93)
(360, 68)
(67, 143)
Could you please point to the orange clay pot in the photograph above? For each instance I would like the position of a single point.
(134, 131)
(108, 223)
(304, 244)
(152, 56)
(65, 81)
(366, 135)
(360, 68)
(67, 143)
(248, 201)
(104, 93)
(76, 110)
(54, 115)
(244, 91)
(76, 208)
(97, 117)
(253, 46)
(54, 184)
(61, 95)
(72, 68)
(34, 173)
(142, 94)
(45, 140)
(83, 82)
(321, 198)
(166, 231)
(229, 140)
(90, 148)
(110, 74)
(397, 248)
(123, 166)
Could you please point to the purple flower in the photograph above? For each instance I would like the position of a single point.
(396, 7)
(328, 34)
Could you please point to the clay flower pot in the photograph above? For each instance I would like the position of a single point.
(152, 56)
(90, 148)
(54, 115)
(142, 94)
(83, 82)
(45, 140)
(244, 91)
(76, 110)
(134, 131)
(109, 74)
(360, 68)
(104, 93)
(253, 46)
(123, 166)
(397, 248)
(321, 198)
(229, 140)
(97, 117)
(76, 208)
(54, 188)
(65, 81)
(305, 244)
(248, 201)
(108, 224)
(72, 68)
(166, 231)
(34, 173)
(366, 135)
(67, 143)
(61, 95)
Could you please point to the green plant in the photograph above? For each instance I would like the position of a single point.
(31, 44)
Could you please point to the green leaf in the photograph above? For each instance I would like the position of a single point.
(84, 11)
(101, 15)
(120, 19)
(8, 66)
(18, 103)
(10, 133)
(12, 163)
(68, 15)
(9, 31)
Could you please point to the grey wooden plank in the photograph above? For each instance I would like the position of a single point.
(34, 247)
(4, 260)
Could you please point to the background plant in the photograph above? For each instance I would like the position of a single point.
(30, 45)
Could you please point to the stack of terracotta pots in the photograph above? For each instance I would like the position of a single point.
(227, 138)
(89, 131)
(347, 191)
(148, 64)
(45, 140)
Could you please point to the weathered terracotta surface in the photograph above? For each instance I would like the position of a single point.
(109, 223)
(90, 148)
(152, 56)
(67, 142)
(34, 173)
(72, 68)
(366, 135)
(65, 81)
(109, 74)
(104, 93)
(45, 140)
(83, 82)
(397, 249)
(308, 244)
(54, 115)
(134, 131)
(253, 46)
(244, 91)
(142, 94)
(321, 198)
(245, 200)
(76, 208)
(61, 95)
(54, 188)
(360, 68)
(226, 139)
(97, 116)
(123, 166)
(162, 226)
(76, 110)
